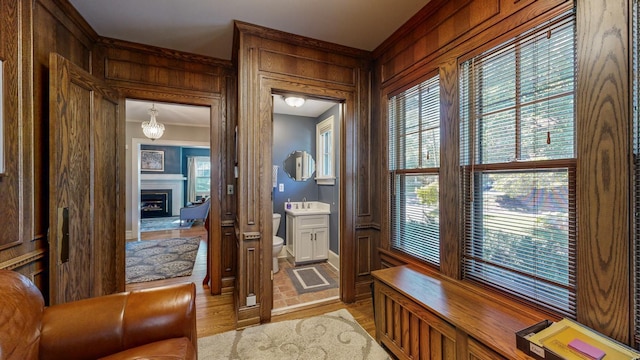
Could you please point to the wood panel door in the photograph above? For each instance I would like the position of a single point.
(86, 213)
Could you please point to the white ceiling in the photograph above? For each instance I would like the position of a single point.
(205, 27)
(168, 114)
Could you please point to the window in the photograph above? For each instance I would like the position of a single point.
(414, 160)
(518, 166)
(203, 176)
(325, 173)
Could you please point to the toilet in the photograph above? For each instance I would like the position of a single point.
(278, 242)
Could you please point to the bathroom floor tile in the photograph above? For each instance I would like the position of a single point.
(284, 293)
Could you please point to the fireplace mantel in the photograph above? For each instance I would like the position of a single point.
(166, 177)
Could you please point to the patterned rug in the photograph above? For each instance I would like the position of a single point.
(335, 335)
(159, 224)
(150, 260)
(310, 279)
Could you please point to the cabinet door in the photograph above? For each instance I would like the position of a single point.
(304, 245)
(321, 244)
(290, 233)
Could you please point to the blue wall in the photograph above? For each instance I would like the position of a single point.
(175, 160)
(291, 133)
(172, 160)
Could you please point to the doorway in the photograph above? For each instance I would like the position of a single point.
(306, 163)
(186, 136)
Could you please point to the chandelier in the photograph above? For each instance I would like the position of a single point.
(152, 129)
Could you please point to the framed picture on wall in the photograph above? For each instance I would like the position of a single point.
(151, 160)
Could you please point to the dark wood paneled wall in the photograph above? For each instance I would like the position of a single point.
(446, 33)
(437, 46)
(146, 72)
(30, 30)
(434, 39)
(603, 147)
(269, 62)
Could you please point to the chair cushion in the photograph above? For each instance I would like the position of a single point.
(178, 348)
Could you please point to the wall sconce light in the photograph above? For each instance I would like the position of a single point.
(294, 101)
(152, 129)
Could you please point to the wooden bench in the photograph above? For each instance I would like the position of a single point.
(427, 316)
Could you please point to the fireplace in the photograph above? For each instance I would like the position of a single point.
(155, 203)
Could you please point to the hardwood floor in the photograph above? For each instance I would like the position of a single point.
(216, 314)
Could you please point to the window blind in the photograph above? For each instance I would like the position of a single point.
(518, 166)
(414, 160)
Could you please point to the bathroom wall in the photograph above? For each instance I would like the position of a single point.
(292, 133)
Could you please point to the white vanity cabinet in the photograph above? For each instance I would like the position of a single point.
(308, 237)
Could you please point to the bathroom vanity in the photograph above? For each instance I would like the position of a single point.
(307, 231)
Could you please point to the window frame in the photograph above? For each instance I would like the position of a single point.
(399, 174)
(198, 160)
(325, 173)
(471, 168)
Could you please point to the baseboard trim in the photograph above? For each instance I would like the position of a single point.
(303, 306)
(283, 253)
(334, 260)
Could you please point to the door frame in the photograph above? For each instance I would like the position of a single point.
(217, 130)
(346, 229)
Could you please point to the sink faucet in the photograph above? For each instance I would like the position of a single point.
(304, 199)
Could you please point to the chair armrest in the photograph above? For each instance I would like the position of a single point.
(195, 212)
(96, 327)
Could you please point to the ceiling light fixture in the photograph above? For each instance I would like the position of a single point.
(152, 129)
(294, 101)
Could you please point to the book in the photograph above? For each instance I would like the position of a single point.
(587, 349)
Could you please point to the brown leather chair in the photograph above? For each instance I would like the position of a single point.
(144, 324)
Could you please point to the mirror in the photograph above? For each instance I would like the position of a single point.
(299, 165)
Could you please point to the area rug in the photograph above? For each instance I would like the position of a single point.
(335, 335)
(150, 260)
(310, 279)
(167, 223)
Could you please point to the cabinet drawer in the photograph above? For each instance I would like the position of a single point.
(312, 221)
